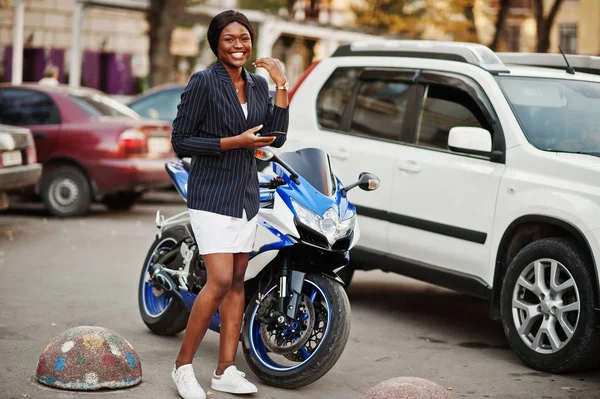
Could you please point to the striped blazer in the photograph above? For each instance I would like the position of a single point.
(223, 182)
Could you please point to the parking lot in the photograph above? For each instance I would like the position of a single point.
(61, 273)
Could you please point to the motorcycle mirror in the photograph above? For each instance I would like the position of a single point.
(264, 153)
(368, 181)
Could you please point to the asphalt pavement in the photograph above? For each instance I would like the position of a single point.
(61, 273)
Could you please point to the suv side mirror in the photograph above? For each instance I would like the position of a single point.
(366, 181)
(470, 140)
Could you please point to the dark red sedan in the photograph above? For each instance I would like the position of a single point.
(91, 146)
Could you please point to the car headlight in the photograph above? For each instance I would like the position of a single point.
(329, 224)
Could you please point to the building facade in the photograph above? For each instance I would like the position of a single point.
(576, 27)
(115, 44)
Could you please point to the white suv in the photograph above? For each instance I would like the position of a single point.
(490, 180)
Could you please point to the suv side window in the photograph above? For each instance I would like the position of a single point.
(443, 108)
(27, 107)
(334, 97)
(379, 109)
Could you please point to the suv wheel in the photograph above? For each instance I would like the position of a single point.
(547, 306)
(65, 191)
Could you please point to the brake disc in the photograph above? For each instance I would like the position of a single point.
(316, 335)
(285, 340)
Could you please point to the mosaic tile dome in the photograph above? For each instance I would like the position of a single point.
(407, 388)
(89, 358)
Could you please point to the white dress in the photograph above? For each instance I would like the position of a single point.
(217, 233)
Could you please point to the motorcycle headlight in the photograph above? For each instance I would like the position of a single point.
(346, 226)
(329, 224)
(306, 217)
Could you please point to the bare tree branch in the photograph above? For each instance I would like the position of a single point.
(544, 25)
(500, 23)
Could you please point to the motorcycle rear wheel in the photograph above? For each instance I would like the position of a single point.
(161, 313)
(319, 354)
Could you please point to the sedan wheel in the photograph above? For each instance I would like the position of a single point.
(65, 191)
(547, 306)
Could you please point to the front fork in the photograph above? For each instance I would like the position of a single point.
(296, 281)
(286, 304)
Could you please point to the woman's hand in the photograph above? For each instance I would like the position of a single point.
(274, 67)
(248, 140)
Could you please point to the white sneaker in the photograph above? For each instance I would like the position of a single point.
(232, 381)
(187, 385)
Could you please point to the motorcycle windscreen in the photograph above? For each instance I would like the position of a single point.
(314, 166)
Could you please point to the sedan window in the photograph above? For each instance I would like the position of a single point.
(27, 107)
(98, 105)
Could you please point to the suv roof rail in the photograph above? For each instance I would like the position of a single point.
(581, 63)
(471, 53)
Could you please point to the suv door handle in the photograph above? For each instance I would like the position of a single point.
(40, 135)
(409, 166)
(340, 153)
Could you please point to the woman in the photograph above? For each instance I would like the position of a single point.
(221, 110)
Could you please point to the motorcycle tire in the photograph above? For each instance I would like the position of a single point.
(162, 314)
(320, 360)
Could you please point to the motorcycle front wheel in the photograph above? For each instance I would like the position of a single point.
(322, 329)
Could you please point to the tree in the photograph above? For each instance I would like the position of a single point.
(267, 5)
(162, 18)
(276, 5)
(410, 18)
(544, 24)
(388, 16)
(503, 10)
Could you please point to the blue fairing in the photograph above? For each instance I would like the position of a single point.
(305, 194)
(179, 175)
(309, 197)
(284, 240)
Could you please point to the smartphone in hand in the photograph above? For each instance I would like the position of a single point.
(270, 134)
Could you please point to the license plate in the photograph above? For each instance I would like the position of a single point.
(12, 158)
(158, 145)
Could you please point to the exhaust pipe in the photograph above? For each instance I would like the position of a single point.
(164, 280)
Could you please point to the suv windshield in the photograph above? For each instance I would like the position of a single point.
(97, 105)
(556, 114)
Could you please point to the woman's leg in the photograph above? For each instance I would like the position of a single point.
(231, 311)
(220, 271)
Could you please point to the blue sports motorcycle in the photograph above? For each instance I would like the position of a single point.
(297, 318)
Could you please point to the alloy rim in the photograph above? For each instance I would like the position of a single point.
(546, 306)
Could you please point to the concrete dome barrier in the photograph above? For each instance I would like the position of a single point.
(407, 388)
(89, 358)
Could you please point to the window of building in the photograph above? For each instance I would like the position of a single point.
(443, 108)
(568, 38)
(379, 109)
(27, 107)
(334, 97)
